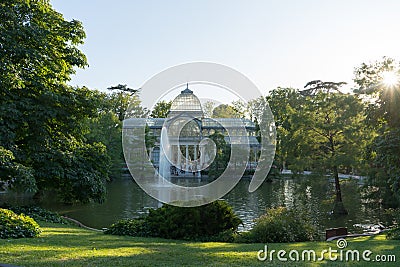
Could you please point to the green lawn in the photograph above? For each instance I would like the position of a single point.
(61, 245)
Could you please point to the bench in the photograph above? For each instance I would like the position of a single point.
(340, 231)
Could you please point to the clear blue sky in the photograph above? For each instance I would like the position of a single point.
(274, 43)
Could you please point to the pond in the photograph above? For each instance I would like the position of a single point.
(315, 194)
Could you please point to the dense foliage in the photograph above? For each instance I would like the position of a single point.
(15, 175)
(316, 132)
(320, 129)
(222, 155)
(16, 226)
(281, 225)
(130, 227)
(36, 213)
(393, 234)
(209, 222)
(52, 136)
(41, 118)
(161, 109)
(383, 118)
(188, 223)
(226, 111)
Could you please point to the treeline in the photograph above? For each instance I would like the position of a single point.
(324, 129)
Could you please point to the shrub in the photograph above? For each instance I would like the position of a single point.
(393, 234)
(37, 213)
(281, 225)
(227, 236)
(243, 237)
(131, 227)
(16, 226)
(212, 222)
(193, 223)
(394, 217)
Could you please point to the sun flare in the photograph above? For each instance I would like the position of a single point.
(390, 78)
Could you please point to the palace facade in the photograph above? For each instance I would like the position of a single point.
(185, 152)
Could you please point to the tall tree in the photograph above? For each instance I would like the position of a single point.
(292, 145)
(123, 99)
(335, 123)
(106, 127)
(319, 129)
(379, 83)
(42, 120)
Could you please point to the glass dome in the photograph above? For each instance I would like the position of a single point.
(186, 103)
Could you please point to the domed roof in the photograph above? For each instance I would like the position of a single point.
(186, 103)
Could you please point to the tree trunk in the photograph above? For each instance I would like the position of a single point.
(337, 184)
(338, 207)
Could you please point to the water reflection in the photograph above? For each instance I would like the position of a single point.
(308, 193)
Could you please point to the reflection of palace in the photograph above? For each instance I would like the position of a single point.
(187, 129)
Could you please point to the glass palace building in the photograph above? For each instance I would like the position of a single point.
(188, 148)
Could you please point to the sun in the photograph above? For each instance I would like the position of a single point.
(390, 78)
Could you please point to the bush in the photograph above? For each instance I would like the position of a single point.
(280, 225)
(194, 223)
(393, 216)
(393, 234)
(212, 222)
(131, 227)
(243, 237)
(37, 213)
(17, 226)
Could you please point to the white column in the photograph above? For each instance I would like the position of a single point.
(187, 157)
(255, 156)
(151, 153)
(201, 156)
(195, 158)
(179, 156)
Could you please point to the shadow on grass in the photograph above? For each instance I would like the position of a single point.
(62, 245)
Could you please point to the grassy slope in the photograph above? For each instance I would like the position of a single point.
(61, 245)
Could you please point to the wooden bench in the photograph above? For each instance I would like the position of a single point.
(335, 232)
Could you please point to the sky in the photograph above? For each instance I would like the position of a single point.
(274, 43)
